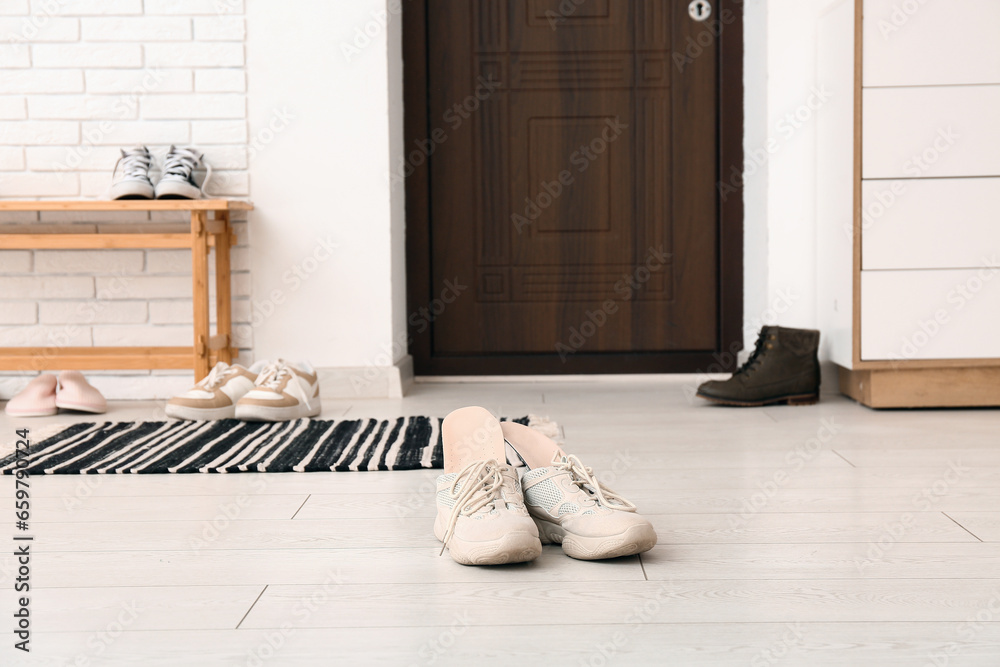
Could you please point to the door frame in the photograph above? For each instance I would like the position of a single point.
(729, 250)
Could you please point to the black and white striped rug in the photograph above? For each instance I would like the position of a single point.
(228, 445)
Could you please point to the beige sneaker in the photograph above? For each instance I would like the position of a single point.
(481, 517)
(570, 506)
(216, 395)
(282, 392)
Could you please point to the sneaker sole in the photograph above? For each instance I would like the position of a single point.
(801, 399)
(518, 547)
(635, 540)
(256, 413)
(199, 414)
(33, 413)
(176, 190)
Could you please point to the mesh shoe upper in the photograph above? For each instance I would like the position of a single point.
(482, 502)
(568, 493)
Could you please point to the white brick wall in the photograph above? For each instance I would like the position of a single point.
(80, 79)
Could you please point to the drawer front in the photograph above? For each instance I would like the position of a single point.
(930, 314)
(948, 223)
(931, 42)
(931, 132)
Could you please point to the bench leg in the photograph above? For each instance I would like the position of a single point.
(199, 273)
(223, 288)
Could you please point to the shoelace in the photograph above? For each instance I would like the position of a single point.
(755, 357)
(481, 485)
(583, 476)
(137, 162)
(272, 375)
(217, 375)
(180, 163)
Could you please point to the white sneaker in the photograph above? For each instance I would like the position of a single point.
(481, 517)
(133, 182)
(282, 392)
(177, 180)
(570, 506)
(216, 395)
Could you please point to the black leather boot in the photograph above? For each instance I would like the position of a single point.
(783, 368)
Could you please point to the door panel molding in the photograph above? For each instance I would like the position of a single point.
(505, 282)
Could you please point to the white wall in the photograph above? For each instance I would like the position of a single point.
(325, 177)
(783, 95)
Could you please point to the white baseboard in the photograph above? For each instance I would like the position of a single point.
(367, 381)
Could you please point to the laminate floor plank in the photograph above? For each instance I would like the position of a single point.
(645, 644)
(825, 535)
(616, 603)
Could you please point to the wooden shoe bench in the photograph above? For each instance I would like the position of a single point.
(204, 233)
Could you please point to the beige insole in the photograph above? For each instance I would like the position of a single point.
(536, 449)
(470, 435)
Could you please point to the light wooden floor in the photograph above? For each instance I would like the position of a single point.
(821, 535)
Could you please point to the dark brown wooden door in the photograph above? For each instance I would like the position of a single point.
(572, 168)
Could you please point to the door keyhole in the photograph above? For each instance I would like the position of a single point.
(700, 10)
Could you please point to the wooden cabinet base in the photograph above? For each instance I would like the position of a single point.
(922, 387)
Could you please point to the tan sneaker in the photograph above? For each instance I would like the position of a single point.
(570, 506)
(282, 392)
(216, 395)
(481, 517)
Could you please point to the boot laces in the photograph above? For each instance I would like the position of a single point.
(756, 357)
(272, 375)
(481, 486)
(218, 375)
(180, 163)
(584, 477)
(135, 164)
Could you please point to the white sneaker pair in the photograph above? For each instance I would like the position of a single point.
(267, 391)
(176, 179)
(485, 518)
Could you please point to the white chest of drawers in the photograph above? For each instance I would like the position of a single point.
(909, 200)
